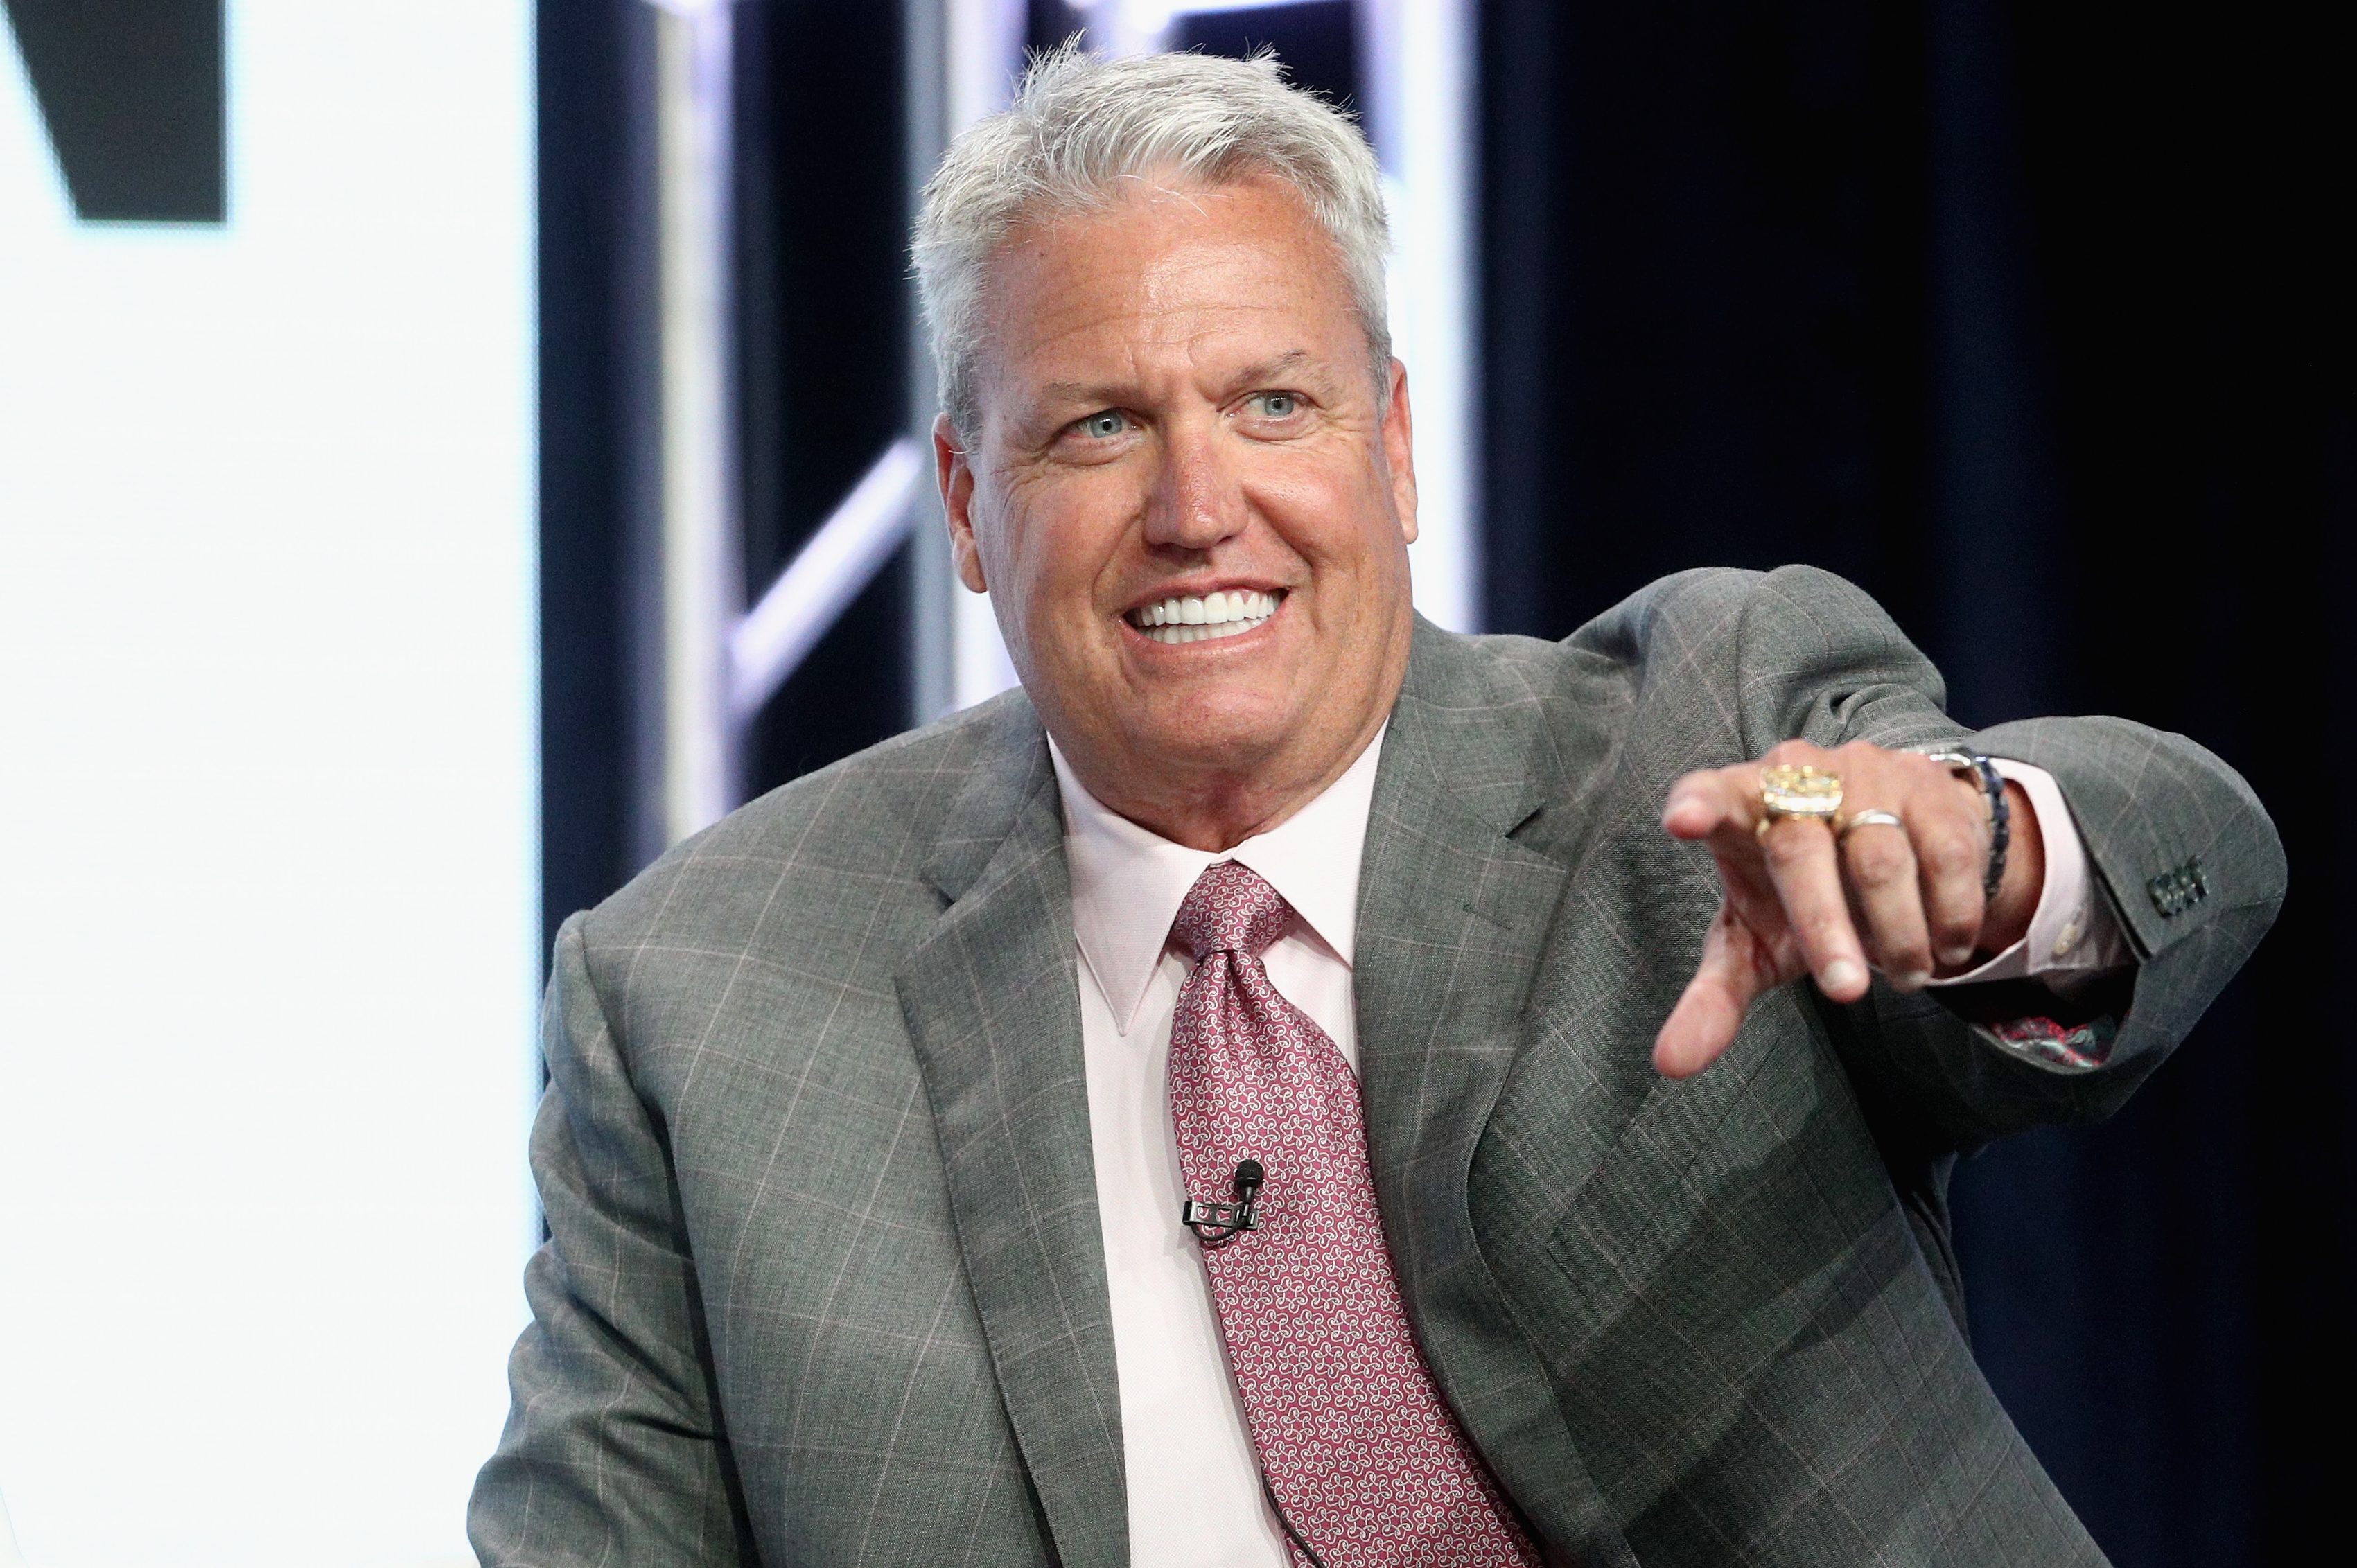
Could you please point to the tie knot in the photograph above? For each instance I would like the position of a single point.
(1231, 908)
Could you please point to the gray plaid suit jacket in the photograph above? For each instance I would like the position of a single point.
(825, 1283)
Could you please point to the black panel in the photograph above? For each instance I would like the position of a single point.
(824, 245)
(133, 94)
(1047, 22)
(597, 307)
(1318, 41)
(1702, 275)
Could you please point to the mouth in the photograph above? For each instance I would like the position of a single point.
(1197, 618)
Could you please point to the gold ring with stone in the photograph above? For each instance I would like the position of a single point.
(1786, 791)
(1866, 820)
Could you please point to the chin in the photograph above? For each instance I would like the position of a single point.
(1219, 730)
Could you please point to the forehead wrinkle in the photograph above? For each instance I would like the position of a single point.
(1172, 271)
(1108, 391)
(1137, 338)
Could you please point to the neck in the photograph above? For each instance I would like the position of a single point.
(1216, 811)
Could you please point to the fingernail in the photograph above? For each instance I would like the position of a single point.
(1911, 981)
(1842, 975)
(1950, 958)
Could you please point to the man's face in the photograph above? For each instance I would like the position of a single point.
(1189, 503)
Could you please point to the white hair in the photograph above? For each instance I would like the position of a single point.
(1080, 126)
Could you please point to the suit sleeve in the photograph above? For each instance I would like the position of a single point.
(2181, 849)
(613, 1452)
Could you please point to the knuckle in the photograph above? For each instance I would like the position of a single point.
(1946, 854)
(1950, 927)
(1961, 798)
(1795, 753)
(1822, 929)
(1953, 909)
(1877, 862)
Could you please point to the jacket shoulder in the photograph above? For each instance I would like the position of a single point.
(1697, 669)
(1708, 610)
(856, 833)
(1724, 648)
(1690, 625)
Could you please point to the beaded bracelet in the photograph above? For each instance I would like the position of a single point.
(1972, 763)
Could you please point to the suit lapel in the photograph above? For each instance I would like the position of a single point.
(991, 1001)
(1454, 916)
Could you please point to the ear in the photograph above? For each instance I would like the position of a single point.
(1399, 451)
(954, 471)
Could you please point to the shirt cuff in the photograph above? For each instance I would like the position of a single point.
(2073, 935)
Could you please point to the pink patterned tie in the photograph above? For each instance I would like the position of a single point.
(1360, 1453)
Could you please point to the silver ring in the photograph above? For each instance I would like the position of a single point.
(1868, 819)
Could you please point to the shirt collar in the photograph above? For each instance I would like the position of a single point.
(1128, 882)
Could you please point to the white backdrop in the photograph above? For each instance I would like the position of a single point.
(267, 845)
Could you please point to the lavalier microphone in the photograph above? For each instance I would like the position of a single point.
(1215, 1224)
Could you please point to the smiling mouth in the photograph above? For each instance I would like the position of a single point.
(1189, 618)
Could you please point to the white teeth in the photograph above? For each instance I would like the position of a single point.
(1193, 619)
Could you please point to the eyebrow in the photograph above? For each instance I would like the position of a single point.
(1273, 369)
(1094, 393)
(1056, 392)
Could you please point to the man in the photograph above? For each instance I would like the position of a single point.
(1293, 1084)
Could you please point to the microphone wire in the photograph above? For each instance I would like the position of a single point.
(1286, 1521)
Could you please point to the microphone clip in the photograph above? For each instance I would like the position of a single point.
(1216, 1224)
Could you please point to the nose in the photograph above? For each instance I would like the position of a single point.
(1196, 502)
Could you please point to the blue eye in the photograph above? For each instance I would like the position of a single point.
(1278, 406)
(1105, 426)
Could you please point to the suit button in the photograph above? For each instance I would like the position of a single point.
(2179, 888)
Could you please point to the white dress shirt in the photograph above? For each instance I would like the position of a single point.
(1195, 1498)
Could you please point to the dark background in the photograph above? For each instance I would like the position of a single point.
(2032, 319)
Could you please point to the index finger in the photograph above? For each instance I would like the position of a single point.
(1713, 801)
(1793, 863)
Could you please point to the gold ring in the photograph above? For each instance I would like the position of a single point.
(1866, 820)
(1789, 791)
